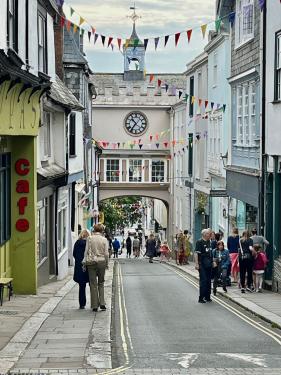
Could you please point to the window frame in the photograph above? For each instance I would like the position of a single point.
(154, 171)
(12, 25)
(139, 164)
(241, 37)
(191, 94)
(42, 14)
(5, 197)
(277, 67)
(110, 177)
(62, 228)
(72, 135)
(44, 209)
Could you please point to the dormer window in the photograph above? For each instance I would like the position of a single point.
(12, 24)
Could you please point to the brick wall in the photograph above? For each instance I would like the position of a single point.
(58, 31)
(247, 56)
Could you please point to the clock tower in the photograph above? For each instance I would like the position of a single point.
(134, 54)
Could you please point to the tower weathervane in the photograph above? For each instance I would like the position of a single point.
(134, 17)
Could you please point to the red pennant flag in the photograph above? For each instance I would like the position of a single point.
(68, 25)
(104, 144)
(119, 40)
(200, 102)
(93, 30)
(139, 140)
(151, 78)
(166, 144)
(157, 137)
(151, 137)
(110, 39)
(159, 82)
(62, 21)
(206, 103)
(189, 32)
(177, 37)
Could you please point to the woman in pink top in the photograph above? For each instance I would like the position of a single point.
(260, 263)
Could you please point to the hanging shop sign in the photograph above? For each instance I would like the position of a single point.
(22, 167)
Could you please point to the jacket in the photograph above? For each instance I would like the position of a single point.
(260, 262)
(151, 248)
(233, 244)
(79, 275)
(116, 245)
(222, 258)
(96, 249)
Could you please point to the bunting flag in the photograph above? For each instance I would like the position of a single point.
(110, 39)
(89, 35)
(82, 20)
(151, 137)
(82, 32)
(218, 106)
(189, 32)
(119, 41)
(157, 145)
(159, 82)
(74, 28)
(132, 146)
(145, 42)
(200, 102)
(71, 11)
(93, 30)
(62, 21)
(165, 144)
(262, 4)
(177, 37)
(206, 103)
(156, 41)
(193, 100)
(68, 25)
(118, 144)
(231, 18)
(136, 43)
(218, 24)
(96, 38)
(180, 94)
(212, 105)
(151, 78)
(102, 39)
(203, 29)
(186, 97)
(140, 146)
(166, 40)
(224, 107)
(166, 87)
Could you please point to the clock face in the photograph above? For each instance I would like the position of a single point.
(136, 123)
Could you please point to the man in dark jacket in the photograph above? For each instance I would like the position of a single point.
(129, 246)
(203, 263)
(151, 248)
(116, 247)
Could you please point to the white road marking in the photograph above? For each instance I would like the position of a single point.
(255, 359)
(185, 360)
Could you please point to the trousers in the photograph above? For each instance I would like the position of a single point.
(82, 294)
(246, 266)
(219, 272)
(96, 277)
(205, 276)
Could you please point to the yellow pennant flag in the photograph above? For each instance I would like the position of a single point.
(81, 20)
(74, 28)
(203, 29)
(193, 100)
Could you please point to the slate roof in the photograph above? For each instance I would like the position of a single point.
(131, 41)
(60, 94)
(72, 53)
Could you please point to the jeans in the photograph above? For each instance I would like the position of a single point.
(205, 275)
(96, 276)
(220, 272)
(82, 294)
(246, 266)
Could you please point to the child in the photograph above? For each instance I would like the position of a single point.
(260, 262)
(221, 263)
(165, 251)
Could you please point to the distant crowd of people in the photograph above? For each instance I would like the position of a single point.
(244, 257)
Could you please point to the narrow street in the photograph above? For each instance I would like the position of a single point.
(163, 326)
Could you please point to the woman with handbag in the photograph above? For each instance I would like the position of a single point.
(96, 260)
(246, 261)
(233, 247)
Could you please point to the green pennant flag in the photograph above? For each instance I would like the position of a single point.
(82, 32)
(136, 42)
(71, 11)
(186, 97)
(218, 24)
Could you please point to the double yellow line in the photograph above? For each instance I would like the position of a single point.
(275, 336)
(127, 344)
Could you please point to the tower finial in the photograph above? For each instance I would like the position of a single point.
(134, 17)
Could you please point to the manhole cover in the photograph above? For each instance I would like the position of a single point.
(8, 312)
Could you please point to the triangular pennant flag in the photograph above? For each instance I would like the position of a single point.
(89, 35)
(189, 32)
(82, 32)
(186, 97)
(200, 102)
(206, 103)
(156, 137)
(193, 100)
(132, 146)
(159, 82)
(145, 42)
(71, 11)
(218, 105)
(180, 94)
(218, 24)
(151, 78)
(103, 39)
(112, 46)
(198, 136)
(262, 4)
(140, 146)
(136, 42)
(74, 28)
(118, 144)
(166, 40)
(224, 107)
(123, 144)
(165, 144)
(156, 41)
(96, 38)
(166, 87)
(104, 144)
(82, 20)
(212, 105)
(93, 30)
(157, 145)
(68, 25)
(151, 137)
(203, 29)
(183, 149)
(110, 39)
(231, 18)
(119, 41)
(177, 37)
(62, 21)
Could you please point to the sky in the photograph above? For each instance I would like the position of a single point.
(158, 18)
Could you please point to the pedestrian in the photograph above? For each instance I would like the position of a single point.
(188, 246)
(246, 262)
(81, 275)
(181, 248)
(221, 262)
(233, 248)
(165, 251)
(259, 240)
(158, 245)
(136, 247)
(203, 263)
(215, 237)
(151, 247)
(260, 263)
(116, 247)
(129, 246)
(96, 260)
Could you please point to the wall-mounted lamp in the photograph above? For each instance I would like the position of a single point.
(224, 214)
(224, 158)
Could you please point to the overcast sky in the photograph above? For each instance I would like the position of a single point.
(158, 18)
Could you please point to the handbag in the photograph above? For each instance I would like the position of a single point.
(244, 255)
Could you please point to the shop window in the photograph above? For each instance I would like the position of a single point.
(112, 170)
(42, 230)
(12, 24)
(42, 42)
(62, 225)
(278, 67)
(244, 25)
(72, 135)
(158, 171)
(5, 197)
(135, 170)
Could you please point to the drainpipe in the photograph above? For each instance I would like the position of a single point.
(263, 156)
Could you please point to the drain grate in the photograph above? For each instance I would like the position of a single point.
(8, 312)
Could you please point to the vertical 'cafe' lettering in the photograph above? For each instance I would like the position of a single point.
(22, 168)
